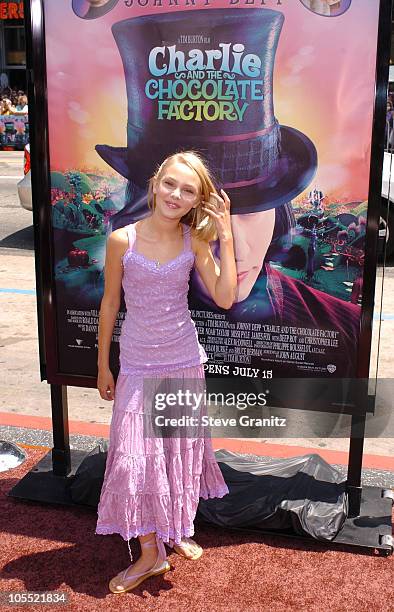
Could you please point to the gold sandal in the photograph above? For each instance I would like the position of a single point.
(160, 567)
(178, 549)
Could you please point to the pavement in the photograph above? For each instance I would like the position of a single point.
(25, 407)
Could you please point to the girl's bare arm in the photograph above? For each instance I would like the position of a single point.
(110, 303)
(221, 283)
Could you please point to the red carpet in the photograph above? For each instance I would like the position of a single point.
(47, 548)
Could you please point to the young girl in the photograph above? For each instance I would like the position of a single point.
(152, 485)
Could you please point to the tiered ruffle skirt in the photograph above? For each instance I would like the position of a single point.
(153, 484)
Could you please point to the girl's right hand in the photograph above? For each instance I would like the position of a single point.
(106, 384)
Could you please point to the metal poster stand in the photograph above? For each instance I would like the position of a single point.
(368, 522)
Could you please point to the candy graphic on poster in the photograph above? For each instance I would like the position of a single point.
(243, 87)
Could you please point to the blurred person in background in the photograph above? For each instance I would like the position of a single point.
(6, 107)
(22, 106)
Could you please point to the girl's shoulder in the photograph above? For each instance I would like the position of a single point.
(120, 239)
(120, 234)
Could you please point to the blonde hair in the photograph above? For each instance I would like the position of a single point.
(197, 219)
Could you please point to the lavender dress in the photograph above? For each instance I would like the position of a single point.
(154, 484)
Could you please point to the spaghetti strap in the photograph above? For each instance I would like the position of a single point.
(130, 231)
(186, 237)
(131, 235)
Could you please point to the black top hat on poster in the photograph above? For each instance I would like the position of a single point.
(260, 163)
(91, 9)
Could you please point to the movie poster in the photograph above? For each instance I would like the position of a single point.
(278, 96)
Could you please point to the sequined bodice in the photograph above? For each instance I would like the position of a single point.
(158, 333)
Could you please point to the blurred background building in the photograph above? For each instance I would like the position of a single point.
(12, 46)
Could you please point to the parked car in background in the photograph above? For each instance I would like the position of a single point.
(24, 185)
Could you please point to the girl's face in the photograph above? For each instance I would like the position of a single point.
(177, 191)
